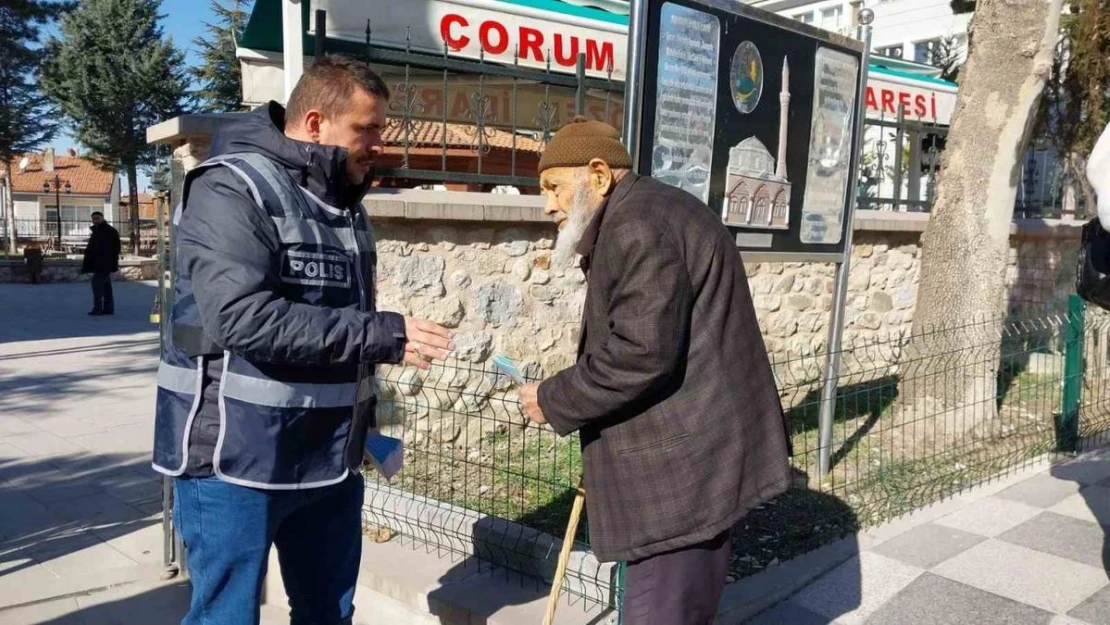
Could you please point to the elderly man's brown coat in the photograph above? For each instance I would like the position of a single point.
(681, 425)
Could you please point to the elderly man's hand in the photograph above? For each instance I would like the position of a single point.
(530, 401)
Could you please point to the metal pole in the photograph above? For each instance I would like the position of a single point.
(292, 37)
(633, 87)
(580, 92)
(1067, 428)
(58, 207)
(320, 32)
(836, 327)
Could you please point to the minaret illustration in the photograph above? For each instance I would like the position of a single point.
(757, 194)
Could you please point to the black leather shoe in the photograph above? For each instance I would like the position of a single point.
(95, 313)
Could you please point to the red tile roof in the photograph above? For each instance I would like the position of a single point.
(429, 134)
(146, 204)
(83, 176)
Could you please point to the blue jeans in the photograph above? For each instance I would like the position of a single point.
(228, 531)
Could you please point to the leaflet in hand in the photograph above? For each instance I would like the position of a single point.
(506, 366)
(386, 453)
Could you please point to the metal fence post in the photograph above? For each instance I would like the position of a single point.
(618, 592)
(840, 297)
(1067, 427)
(580, 92)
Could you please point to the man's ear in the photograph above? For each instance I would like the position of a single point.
(312, 121)
(601, 177)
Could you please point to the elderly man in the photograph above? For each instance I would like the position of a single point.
(673, 395)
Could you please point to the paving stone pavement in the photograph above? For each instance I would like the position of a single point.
(1035, 552)
(80, 507)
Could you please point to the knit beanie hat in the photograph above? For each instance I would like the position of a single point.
(581, 141)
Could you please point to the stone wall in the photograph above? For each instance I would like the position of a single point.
(495, 284)
(70, 271)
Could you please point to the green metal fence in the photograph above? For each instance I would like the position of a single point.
(919, 417)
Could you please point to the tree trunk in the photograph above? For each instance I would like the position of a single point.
(956, 350)
(133, 205)
(9, 207)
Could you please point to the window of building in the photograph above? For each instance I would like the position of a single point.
(805, 18)
(75, 219)
(894, 52)
(832, 18)
(925, 51)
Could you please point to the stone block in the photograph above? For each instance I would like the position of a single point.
(541, 277)
(460, 279)
(799, 302)
(784, 285)
(785, 324)
(410, 383)
(498, 303)
(447, 311)
(767, 303)
(859, 277)
(869, 320)
(514, 242)
(419, 275)
(473, 346)
(544, 293)
(882, 302)
(520, 269)
(904, 298)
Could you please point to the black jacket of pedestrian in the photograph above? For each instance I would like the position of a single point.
(102, 252)
(673, 394)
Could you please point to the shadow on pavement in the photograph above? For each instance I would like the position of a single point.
(36, 312)
(38, 392)
(78, 515)
(162, 605)
(1091, 472)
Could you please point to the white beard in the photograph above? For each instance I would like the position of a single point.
(575, 226)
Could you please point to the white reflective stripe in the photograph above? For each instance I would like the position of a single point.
(175, 375)
(220, 447)
(266, 486)
(285, 394)
(177, 379)
(246, 178)
(292, 230)
(328, 208)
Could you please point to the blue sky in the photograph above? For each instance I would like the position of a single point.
(183, 21)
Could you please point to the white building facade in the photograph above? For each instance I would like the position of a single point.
(909, 30)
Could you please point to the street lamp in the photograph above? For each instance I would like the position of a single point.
(58, 187)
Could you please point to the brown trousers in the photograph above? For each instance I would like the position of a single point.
(680, 587)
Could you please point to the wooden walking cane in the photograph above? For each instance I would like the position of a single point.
(564, 554)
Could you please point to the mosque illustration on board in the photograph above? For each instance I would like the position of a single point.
(757, 193)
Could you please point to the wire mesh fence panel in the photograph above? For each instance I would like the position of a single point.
(481, 484)
(918, 417)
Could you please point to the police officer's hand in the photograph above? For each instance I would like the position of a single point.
(425, 342)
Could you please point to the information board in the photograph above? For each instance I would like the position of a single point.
(755, 115)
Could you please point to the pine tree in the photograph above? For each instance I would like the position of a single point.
(27, 118)
(114, 74)
(220, 75)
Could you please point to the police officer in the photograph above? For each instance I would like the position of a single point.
(266, 386)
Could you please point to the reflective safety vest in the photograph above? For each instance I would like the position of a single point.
(281, 427)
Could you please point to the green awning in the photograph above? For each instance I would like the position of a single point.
(263, 31)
